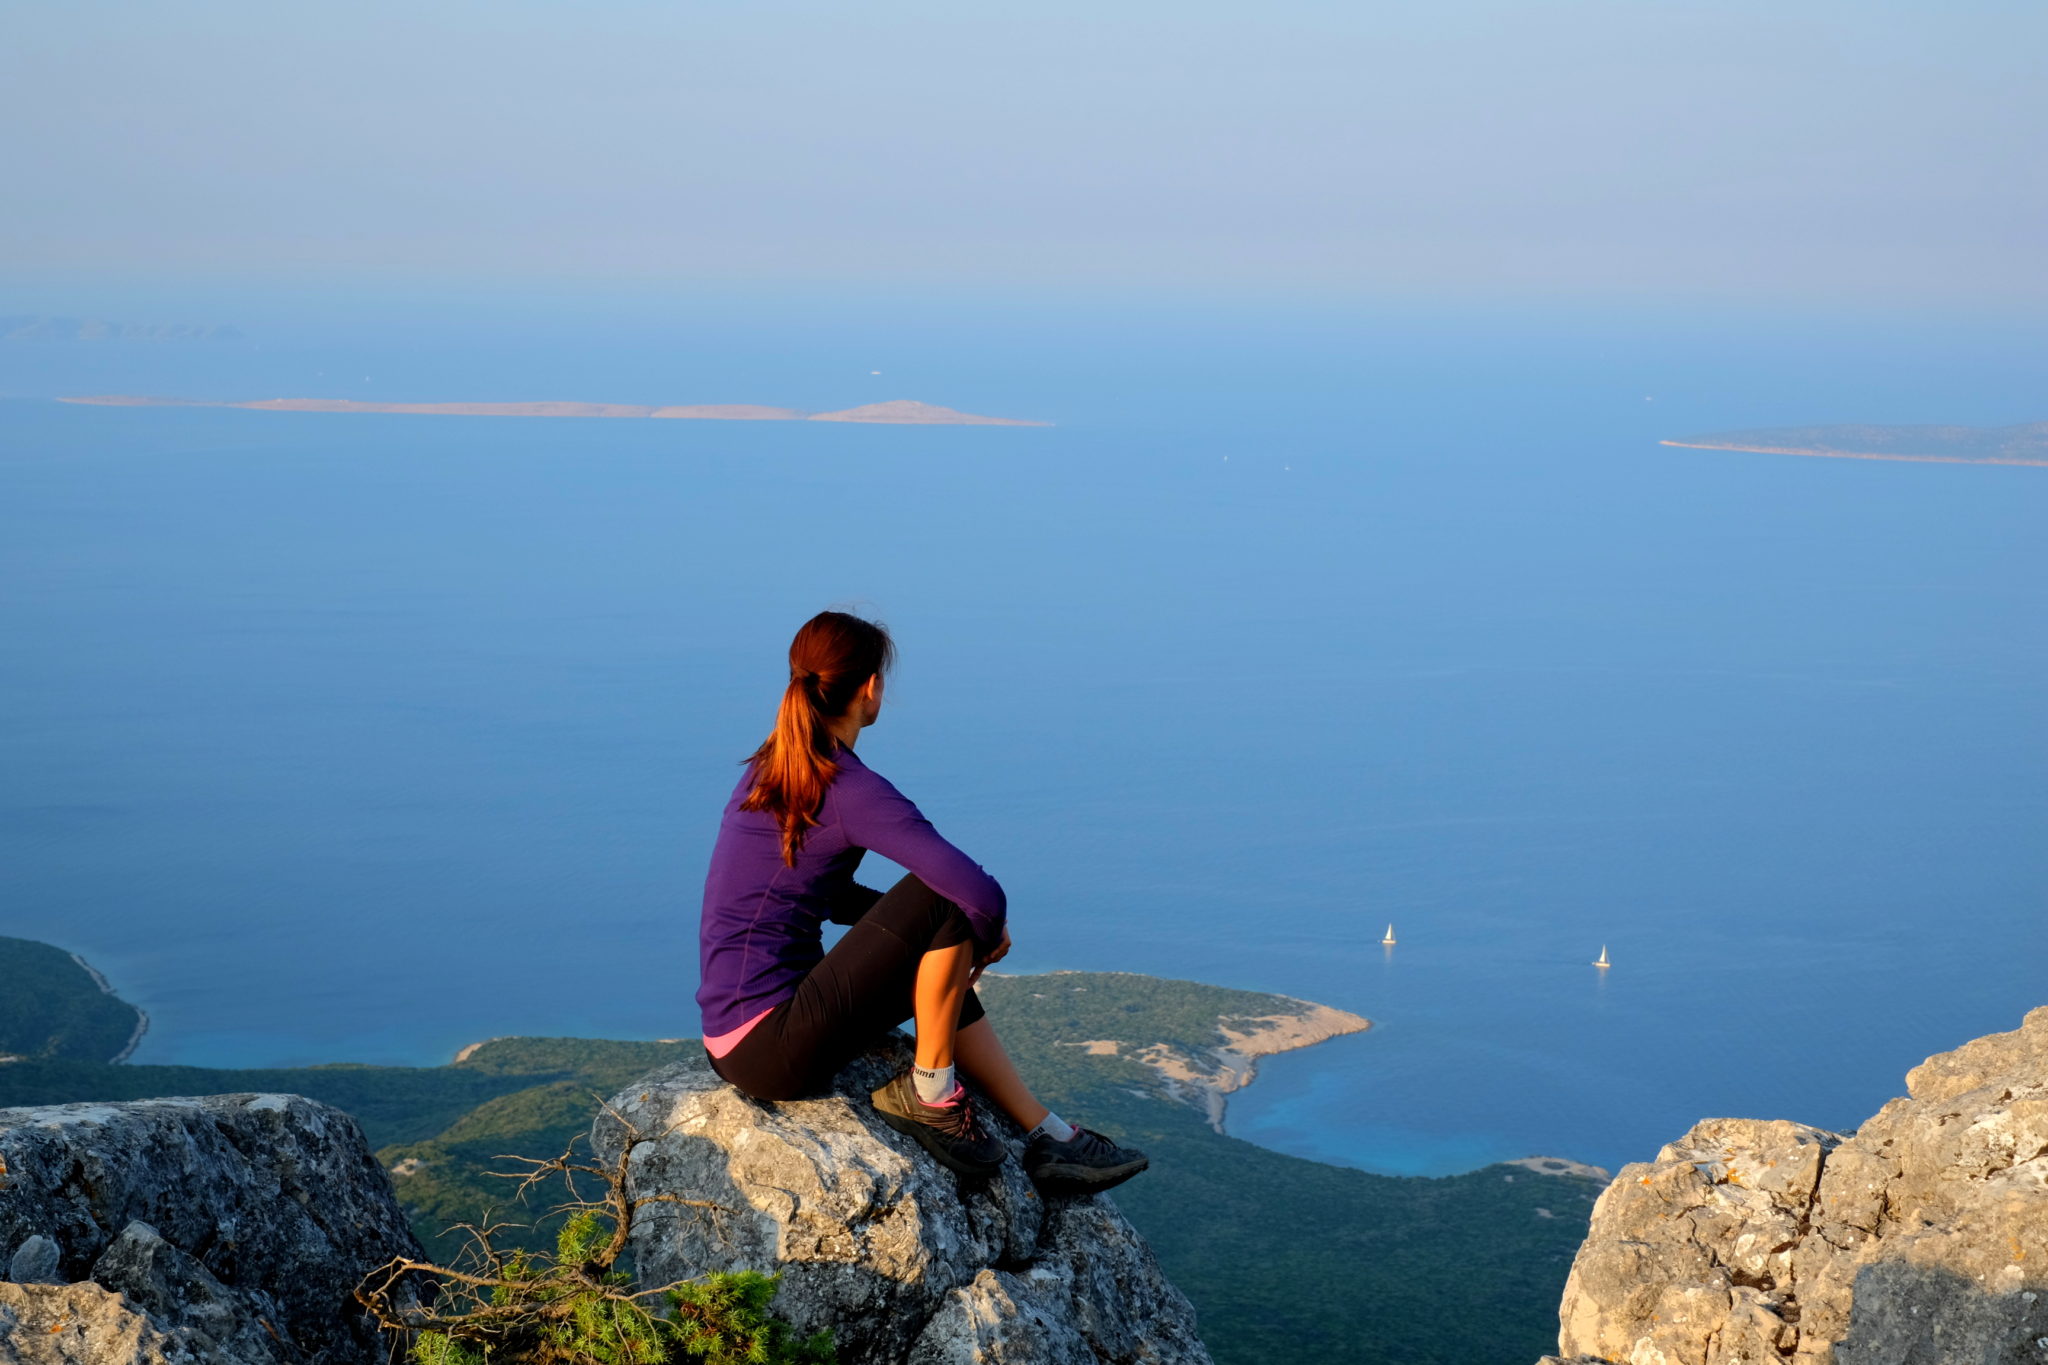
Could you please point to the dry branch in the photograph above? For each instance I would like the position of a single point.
(503, 1299)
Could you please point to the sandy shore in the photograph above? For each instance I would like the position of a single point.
(895, 412)
(1557, 1165)
(471, 1050)
(1205, 1079)
(141, 1015)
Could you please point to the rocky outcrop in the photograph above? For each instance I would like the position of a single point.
(231, 1229)
(1920, 1239)
(901, 1259)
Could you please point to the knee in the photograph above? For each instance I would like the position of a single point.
(922, 917)
(971, 1012)
(915, 890)
(950, 928)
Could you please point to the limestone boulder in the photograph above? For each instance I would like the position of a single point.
(85, 1324)
(1919, 1239)
(229, 1228)
(902, 1259)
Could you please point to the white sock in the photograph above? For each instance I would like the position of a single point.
(933, 1083)
(1054, 1127)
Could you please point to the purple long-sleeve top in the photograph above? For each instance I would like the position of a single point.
(763, 926)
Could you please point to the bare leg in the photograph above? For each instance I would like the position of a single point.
(982, 1056)
(936, 999)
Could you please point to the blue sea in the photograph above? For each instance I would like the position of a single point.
(365, 737)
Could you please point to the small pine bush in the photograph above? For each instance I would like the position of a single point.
(724, 1320)
(575, 1307)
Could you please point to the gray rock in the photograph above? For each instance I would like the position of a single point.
(230, 1228)
(83, 1324)
(182, 1295)
(1920, 1239)
(35, 1262)
(903, 1260)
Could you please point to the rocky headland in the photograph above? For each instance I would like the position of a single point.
(1919, 1239)
(894, 412)
(1205, 1077)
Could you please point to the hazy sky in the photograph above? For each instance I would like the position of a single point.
(1804, 149)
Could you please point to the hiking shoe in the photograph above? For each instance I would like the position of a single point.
(949, 1132)
(1085, 1163)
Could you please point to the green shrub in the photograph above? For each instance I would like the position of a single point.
(574, 1306)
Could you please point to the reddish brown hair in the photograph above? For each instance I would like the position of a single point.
(833, 655)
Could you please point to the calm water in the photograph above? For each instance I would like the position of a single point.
(365, 737)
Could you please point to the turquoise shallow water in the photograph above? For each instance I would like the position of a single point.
(365, 737)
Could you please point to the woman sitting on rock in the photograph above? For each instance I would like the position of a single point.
(782, 1015)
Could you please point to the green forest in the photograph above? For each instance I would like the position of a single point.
(51, 1006)
(1284, 1259)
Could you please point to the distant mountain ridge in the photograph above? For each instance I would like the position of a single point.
(2025, 443)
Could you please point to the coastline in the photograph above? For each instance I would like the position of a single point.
(141, 1014)
(1858, 454)
(1205, 1079)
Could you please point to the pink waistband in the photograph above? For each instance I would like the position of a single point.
(721, 1043)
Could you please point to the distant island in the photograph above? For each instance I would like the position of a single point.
(2026, 443)
(26, 327)
(895, 412)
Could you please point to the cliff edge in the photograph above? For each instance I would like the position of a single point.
(903, 1260)
(1919, 1239)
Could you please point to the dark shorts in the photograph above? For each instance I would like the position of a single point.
(858, 991)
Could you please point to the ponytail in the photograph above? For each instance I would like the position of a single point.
(831, 659)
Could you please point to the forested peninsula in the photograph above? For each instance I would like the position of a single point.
(55, 1007)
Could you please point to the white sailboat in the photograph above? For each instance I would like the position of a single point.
(1602, 961)
(1389, 939)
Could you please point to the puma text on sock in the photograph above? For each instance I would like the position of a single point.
(935, 1084)
(1054, 1127)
